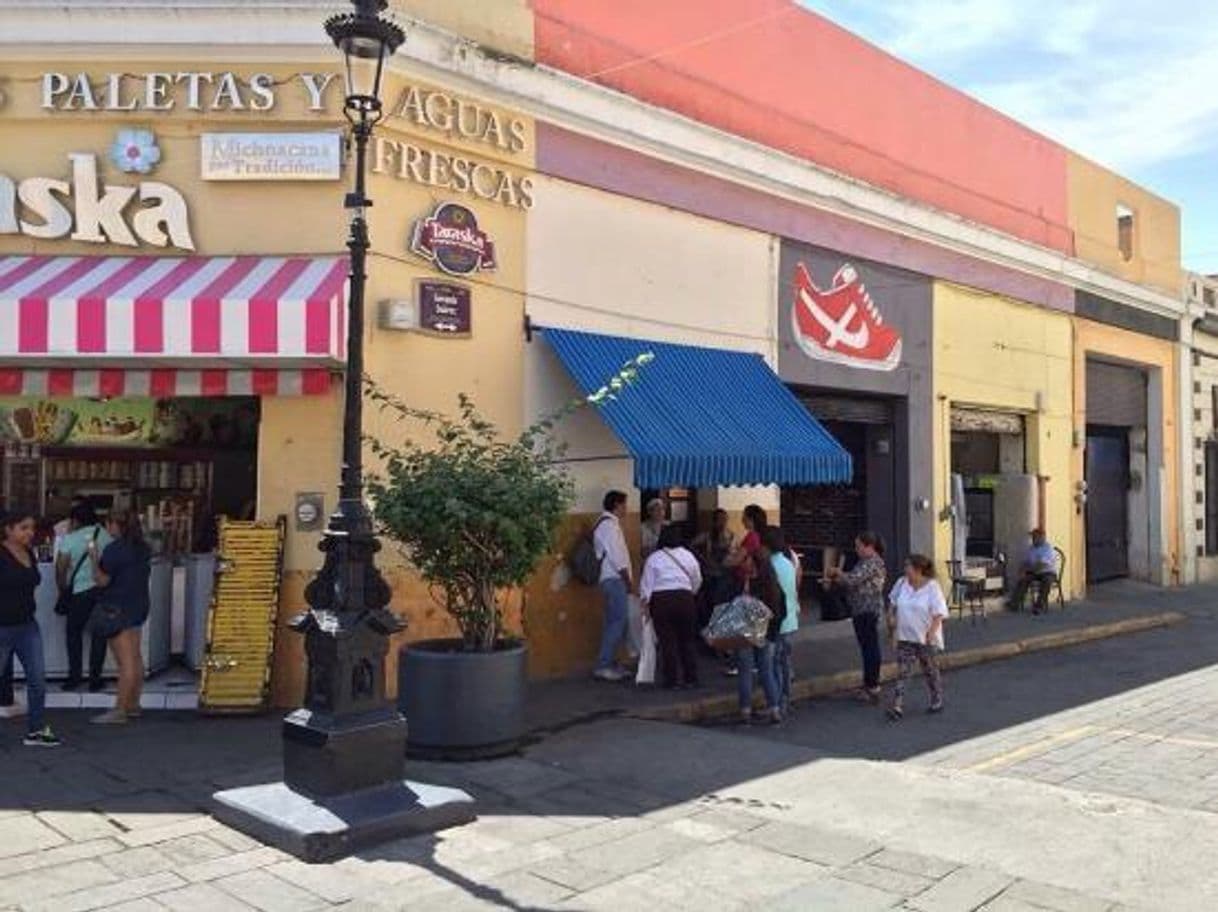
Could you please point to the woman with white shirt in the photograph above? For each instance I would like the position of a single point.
(916, 611)
(671, 580)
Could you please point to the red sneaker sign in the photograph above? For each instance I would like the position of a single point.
(841, 323)
(451, 239)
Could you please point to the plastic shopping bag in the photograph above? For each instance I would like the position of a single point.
(738, 623)
(634, 626)
(646, 673)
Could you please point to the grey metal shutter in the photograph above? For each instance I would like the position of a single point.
(1116, 395)
(848, 408)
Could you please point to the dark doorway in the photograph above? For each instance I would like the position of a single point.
(1107, 519)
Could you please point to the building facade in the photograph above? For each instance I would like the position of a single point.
(955, 321)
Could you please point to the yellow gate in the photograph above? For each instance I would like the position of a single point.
(244, 614)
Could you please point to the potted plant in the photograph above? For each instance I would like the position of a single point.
(474, 513)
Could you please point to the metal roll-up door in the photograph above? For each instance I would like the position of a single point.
(1116, 395)
(848, 408)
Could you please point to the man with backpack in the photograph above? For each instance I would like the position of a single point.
(616, 582)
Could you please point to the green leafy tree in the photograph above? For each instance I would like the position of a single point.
(475, 512)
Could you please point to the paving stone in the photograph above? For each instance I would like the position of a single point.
(330, 882)
(80, 826)
(600, 834)
(49, 882)
(26, 833)
(149, 809)
(231, 864)
(151, 835)
(49, 858)
(810, 844)
(833, 894)
(1054, 898)
(885, 879)
(912, 863)
(519, 828)
(141, 862)
(137, 905)
(740, 872)
(493, 864)
(1006, 903)
(233, 840)
(636, 852)
(521, 889)
(268, 893)
(575, 875)
(646, 892)
(962, 891)
(191, 850)
(203, 897)
(715, 825)
(108, 895)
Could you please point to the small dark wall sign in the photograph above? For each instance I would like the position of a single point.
(444, 308)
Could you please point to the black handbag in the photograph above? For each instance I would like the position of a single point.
(64, 602)
(106, 620)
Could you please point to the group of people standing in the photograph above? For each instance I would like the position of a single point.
(99, 568)
(681, 582)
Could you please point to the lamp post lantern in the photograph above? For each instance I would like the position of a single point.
(344, 749)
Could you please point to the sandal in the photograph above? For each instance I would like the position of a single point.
(895, 714)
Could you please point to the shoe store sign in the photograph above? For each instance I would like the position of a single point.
(840, 322)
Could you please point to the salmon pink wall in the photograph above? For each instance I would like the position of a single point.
(775, 73)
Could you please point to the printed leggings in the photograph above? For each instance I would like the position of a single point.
(910, 653)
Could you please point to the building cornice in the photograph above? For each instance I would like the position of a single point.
(286, 29)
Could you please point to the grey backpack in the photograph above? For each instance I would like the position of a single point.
(585, 565)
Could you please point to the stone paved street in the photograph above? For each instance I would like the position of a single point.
(1078, 779)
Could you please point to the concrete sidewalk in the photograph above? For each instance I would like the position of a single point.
(826, 658)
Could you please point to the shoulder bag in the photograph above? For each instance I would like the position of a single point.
(64, 601)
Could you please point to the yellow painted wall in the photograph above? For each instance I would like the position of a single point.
(995, 352)
(299, 437)
(1094, 194)
(1152, 354)
(504, 25)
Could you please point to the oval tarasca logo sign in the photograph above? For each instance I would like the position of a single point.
(450, 238)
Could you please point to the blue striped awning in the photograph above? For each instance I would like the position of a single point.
(703, 417)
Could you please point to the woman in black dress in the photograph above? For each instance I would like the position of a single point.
(19, 633)
(123, 569)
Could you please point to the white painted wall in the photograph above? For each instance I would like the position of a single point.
(608, 264)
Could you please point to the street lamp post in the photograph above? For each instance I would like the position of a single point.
(344, 749)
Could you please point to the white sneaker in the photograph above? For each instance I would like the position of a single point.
(113, 717)
(609, 674)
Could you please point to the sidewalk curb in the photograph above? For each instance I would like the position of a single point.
(724, 705)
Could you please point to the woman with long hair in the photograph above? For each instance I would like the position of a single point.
(864, 586)
(765, 586)
(123, 570)
(668, 589)
(19, 631)
(743, 560)
(915, 623)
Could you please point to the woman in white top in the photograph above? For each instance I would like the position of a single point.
(916, 611)
(671, 578)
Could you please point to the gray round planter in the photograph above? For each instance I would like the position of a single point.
(462, 705)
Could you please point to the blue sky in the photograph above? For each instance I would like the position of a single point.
(1132, 84)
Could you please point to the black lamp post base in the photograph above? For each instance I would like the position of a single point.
(318, 830)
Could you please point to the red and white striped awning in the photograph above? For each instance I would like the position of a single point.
(170, 326)
(165, 383)
(232, 311)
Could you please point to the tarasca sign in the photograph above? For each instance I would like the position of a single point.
(84, 209)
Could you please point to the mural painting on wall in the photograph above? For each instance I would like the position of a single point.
(842, 323)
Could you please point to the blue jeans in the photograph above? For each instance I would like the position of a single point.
(617, 609)
(784, 674)
(763, 658)
(26, 642)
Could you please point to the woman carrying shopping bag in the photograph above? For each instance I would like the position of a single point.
(668, 589)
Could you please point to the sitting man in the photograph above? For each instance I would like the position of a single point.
(1039, 568)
